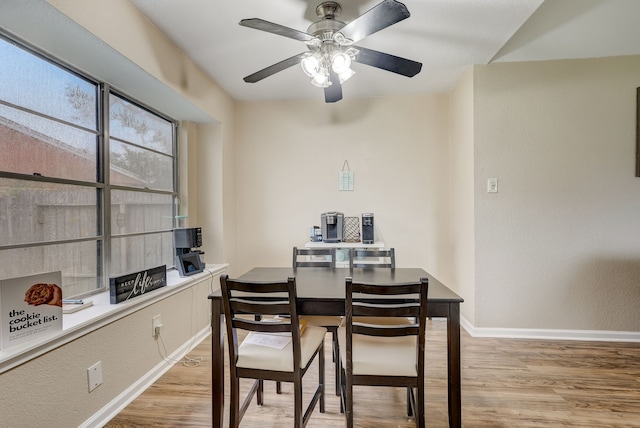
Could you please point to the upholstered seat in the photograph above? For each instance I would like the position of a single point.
(260, 357)
(372, 355)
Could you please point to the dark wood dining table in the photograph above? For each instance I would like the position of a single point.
(321, 291)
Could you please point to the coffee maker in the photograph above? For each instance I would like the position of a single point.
(332, 224)
(186, 239)
(367, 228)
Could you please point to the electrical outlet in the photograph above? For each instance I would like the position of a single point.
(156, 326)
(94, 375)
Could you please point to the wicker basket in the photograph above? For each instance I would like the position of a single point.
(351, 229)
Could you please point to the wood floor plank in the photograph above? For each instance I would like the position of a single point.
(505, 383)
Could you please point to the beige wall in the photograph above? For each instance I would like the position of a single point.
(289, 155)
(461, 129)
(559, 246)
(216, 194)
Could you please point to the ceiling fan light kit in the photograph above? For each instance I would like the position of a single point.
(330, 46)
(317, 65)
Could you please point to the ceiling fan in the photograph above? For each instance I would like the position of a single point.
(331, 48)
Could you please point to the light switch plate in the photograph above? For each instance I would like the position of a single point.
(492, 185)
(94, 375)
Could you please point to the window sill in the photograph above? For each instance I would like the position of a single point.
(102, 312)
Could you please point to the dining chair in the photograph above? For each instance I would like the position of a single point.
(275, 348)
(372, 258)
(314, 257)
(384, 354)
(322, 258)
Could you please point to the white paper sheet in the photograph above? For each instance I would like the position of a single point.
(270, 340)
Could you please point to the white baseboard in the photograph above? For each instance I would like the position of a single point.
(116, 405)
(551, 334)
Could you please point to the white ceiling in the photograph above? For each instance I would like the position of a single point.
(446, 36)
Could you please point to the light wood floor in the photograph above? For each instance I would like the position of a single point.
(505, 383)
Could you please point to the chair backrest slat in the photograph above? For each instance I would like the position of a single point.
(258, 287)
(361, 309)
(261, 326)
(372, 258)
(259, 307)
(392, 330)
(314, 257)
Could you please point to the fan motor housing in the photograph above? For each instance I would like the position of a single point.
(327, 11)
(319, 28)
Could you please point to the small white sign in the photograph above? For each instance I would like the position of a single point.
(345, 180)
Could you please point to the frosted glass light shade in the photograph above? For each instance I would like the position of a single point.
(346, 75)
(340, 62)
(321, 80)
(310, 65)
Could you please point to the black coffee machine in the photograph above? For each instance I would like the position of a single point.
(186, 239)
(367, 228)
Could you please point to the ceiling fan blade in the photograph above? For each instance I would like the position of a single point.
(275, 68)
(375, 19)
(270, 27)
(333, 92)
(395, 64)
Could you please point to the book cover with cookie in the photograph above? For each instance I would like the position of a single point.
(31, 307)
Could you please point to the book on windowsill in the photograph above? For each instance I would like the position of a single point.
(30, 308)
(69, 308)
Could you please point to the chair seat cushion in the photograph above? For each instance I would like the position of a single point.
(265, 358)
(388, 356)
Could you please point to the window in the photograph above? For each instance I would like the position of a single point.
(141, 152)
(91, 197)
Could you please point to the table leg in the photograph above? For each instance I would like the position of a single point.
(454, 374)
(217, 363)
